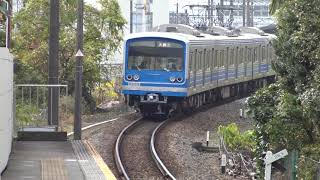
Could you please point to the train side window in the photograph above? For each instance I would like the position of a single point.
(270, 52)
(215, 58)
(208, 58)
(240, 55)
(190, 61)
(263, 53)
(212, 58)
(236, 55)
(267, 53)
(205, 52)
(195, 60)
(259, 53)
(254, 57)
(200, 60)
(248, 55)
(222, 58)
(231, 57)
(245, 56)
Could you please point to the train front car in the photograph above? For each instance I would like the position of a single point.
(154, 78)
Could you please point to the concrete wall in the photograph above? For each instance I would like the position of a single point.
(6, 105)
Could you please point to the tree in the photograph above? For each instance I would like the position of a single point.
(2, 38)
(103, 31)
(287, 114)
(275, 5)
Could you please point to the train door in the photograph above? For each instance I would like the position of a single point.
(231, 63)
(190, 68)
(208, 67)
(245, 60)
(203, 66)
(215, 65)
(222, 66)
(241, 60)
(226, 62)
(259, 58)
(195, 62)
(237, 60)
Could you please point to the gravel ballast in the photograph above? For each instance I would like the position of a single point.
(175, 142)
(104, 137)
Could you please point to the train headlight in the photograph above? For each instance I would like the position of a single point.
(172, 79)
(136, 77)
(179, 79)
(129, 77)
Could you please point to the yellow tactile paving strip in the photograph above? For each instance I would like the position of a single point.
(98, 159)
(53, 169)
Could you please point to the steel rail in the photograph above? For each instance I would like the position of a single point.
(164, 170)
(117, 156)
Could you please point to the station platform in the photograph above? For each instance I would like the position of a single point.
(60, 160)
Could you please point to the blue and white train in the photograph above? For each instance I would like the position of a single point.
(178, 68)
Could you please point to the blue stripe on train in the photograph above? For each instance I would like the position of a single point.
(231, 74)
(163, 93)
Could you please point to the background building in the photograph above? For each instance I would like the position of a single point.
(145, 15)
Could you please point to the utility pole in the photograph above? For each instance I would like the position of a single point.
(221, 13)
(243, 13)
(211, 13)
(249, 10)
(53, 95)
(231, 13)
(78, 73)
(131, 18)
(8, 26)
(177, 14)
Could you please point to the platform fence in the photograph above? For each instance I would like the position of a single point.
(31, 107)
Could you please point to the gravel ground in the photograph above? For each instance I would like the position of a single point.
(136, 157)
(104, 137)
(186, 162)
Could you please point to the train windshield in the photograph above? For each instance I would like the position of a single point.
(155, 55)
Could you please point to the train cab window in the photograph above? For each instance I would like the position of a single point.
(155, 55)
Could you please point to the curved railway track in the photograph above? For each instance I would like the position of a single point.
(135, 153)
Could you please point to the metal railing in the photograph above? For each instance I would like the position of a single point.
(32, 103)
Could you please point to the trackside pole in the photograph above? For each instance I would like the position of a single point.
(269, 159)
(208, 138)
(78, 73)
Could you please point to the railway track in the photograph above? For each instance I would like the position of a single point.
(135, 152)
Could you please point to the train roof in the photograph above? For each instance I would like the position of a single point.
(204, 38)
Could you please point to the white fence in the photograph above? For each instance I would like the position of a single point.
(6, 105)
(32, 106)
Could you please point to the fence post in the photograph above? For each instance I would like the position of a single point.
(318, 171)
(293, 162)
